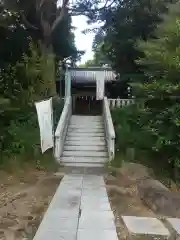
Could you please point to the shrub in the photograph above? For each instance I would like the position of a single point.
(23, 84)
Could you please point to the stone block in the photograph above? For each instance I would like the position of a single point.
(72, 203)
(94, 198)
(86, 234)
(174, 224)
(47, 234)
(144, 228)
(90, 180)
(63, 213)
(95, 220)
(99, 192)
(55, 223)
(73, 178)
(91, 205)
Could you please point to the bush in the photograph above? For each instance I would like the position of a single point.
(130, 127)
(23, 131)
(21, 86)
(153, 136)
(23, 138)
(58, 105)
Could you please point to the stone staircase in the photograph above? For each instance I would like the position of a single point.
(85, 147)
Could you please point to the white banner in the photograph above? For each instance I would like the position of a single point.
(100, 79)
(45, 119)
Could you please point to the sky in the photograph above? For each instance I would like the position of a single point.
(83, 42)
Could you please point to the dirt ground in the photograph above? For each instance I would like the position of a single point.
(123, 195)
(23, 201)
(25, 197)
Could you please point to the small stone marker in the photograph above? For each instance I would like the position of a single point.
(145, 228)
(175, 225)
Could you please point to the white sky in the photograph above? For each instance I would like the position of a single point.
(83, 42)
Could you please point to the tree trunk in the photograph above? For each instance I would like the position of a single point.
(48, 71)
(49, 75)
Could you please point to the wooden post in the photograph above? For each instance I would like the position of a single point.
(89, 104)
(74, 103)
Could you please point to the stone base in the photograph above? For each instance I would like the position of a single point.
(174, 226)
(143, 228)
(84, 170)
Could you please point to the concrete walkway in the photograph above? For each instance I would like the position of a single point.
(80, 210)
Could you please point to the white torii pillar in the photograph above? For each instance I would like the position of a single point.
(100, 84)
(67, 84)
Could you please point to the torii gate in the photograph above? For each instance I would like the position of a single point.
(100, 84)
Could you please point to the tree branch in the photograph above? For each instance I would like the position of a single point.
(28, 24)
(41, 3)
(105, 5)
(76, 12)
(61, 15)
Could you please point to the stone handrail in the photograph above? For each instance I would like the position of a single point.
(119, 103)
(109, 129)
(62, 126)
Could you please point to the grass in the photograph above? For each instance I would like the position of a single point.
(17, 164)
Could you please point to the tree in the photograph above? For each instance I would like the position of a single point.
(124, 24)
(44, 17)
(161, 90)
(12, 34)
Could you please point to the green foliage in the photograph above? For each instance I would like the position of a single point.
(29, 79)
(25, 83)
(123, 25)
(58, 105)
(156, 127)
(130, 126)
(28, 73)
(22, 137)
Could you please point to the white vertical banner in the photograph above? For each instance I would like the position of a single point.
(45, 119)
(100, 79)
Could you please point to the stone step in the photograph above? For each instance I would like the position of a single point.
(83, 170)
(83, 134)
(81, 120)
(85, 130)
(79, 164)
(86, 117)
(85, 143)
(87, 125)
(84, 159)
(84, 148)
(84, 138)
(84, 154)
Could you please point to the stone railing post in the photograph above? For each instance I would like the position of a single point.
(62, 127)
(109, 129)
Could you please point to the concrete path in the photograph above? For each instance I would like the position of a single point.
(80, 210)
